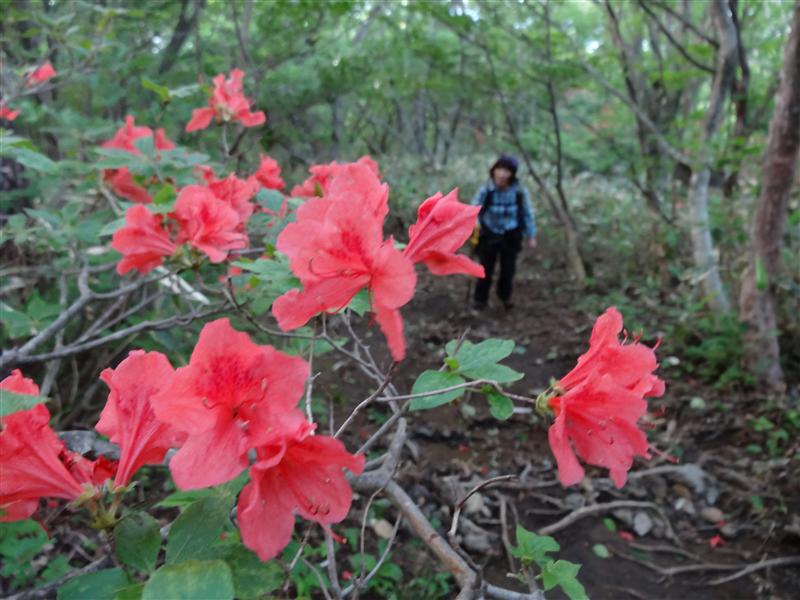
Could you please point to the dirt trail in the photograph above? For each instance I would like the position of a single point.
(453, 449)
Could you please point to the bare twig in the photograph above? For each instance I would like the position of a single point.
(594, 509)
(764, 564)
(457, 513)
(366, 402)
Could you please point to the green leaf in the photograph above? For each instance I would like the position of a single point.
(563, 573)
(500, 405)
(360, 303)
(191, 580)
(489, 351)
(251, 577)
(115, 159)
(29, 158)
(138, 539)
(162, 91)
(479, 361)
(132, 592)
(146, 145)
(610, 524)
(15, 322)
(11, 402)
(110, 228)
(164, 195)
(429, 381)
(494, 372)
(601, 551)
(195, 532)
(101, 585)
(532, 547)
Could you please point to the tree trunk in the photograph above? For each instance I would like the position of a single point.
(756, 305)
(705, 257)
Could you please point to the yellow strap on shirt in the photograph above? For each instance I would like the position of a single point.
(473, 240)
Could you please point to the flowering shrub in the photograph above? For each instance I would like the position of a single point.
(231, 422)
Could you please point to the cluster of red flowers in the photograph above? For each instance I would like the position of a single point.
(34, 77)
(600, 402)
(211, 217)
(234, 397)
(336, 247)
(226, 103)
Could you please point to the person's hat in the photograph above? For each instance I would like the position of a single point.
(506, 161)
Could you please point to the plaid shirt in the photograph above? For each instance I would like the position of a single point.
(502, 215)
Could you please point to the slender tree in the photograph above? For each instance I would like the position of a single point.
(756, 304)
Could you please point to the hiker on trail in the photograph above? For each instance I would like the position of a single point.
(506, 221)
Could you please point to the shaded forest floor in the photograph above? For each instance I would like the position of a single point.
(719, 506)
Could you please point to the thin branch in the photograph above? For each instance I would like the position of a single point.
(588, 511)
(677, 45)
(364, 403)
(764, 564)
(460, 505)
(177, 320)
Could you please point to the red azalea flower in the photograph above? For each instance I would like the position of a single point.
(630, 365)
(232, 396)
(6, 113)
(301, 474)
(597, 416)
(321, 175)
(443, 225)
(121, 180)
(123, 185)
(128, 418)
(235, 192)
(41, 74)
(92, 472)
(269, 173)
(336, 248)
(143, 241)
(19, 384)
(208, 223)
(30, 452)
(227, 103)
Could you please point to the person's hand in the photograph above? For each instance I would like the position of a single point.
(532, 243)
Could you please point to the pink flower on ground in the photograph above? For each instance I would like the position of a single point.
(269, 173)
(597, 416)
(41, 74)
(443, 225)
(143, 241)
(6, 113)
(227, 103)
(128, 418)
(208, 223)
(300, 474)
(232, 396)
(336, 248)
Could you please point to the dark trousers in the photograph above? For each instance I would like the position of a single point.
(491, 245)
